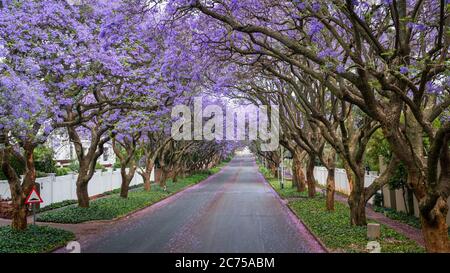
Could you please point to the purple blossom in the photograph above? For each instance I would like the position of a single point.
(404, 70)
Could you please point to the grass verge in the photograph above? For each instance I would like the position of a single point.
(288, 191)
(335, 231)
(333, 228)
(113, 206)
(35, 239)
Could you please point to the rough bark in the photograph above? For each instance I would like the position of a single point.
(147, 183)
(82, 189)
(348, 171)
(435, 231)
(298, 177)
(19, 189)
(357, 204)
(126, 180)
(310, 180)
(87, 159)
(330, 190)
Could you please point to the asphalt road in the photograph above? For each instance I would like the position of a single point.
(233, 211)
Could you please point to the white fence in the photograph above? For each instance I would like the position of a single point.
(342, 185)
(60, 188)
(341, 180)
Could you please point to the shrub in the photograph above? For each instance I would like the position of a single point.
(62, 171)
(17, 165)
(44, 162)
(41, 174)
(74, 166)
(378, 199)
(265, 172)
(99, 166)
(116, 165)
(57, 205)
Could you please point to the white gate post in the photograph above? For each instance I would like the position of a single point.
(52, 181)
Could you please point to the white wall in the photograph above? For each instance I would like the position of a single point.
(60, 188)
(342, 185)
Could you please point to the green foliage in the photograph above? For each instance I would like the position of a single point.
(376, 147)
(265, 172)
(118, 189)
(335, 231)
(43, 160)
(114, 206)
(62, 171)
(217, 168)
(288, 191)
(228, 159)
(41, 174)
(116, 165)
(399, 178)
(99, 166)
(35, 239)
(57, 205)
(378, 199)
(74, 166)
(17, 165)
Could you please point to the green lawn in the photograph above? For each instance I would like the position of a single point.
(35, 239)
(114, 206)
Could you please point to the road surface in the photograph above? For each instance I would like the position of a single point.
(232, 211)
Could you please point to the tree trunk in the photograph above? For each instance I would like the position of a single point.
(85, 173)
(19, 190)
(19, 217)
(330, 189)
(146, 174)
(357, 204)
(146, 179)
(125, 186)
(298, 177)
(310, 180)
(435, 233)
(163, 178)
(175, 175)
(348, 172)
(126, 179)
(273, 169)
(82, 193)
(409, 200)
